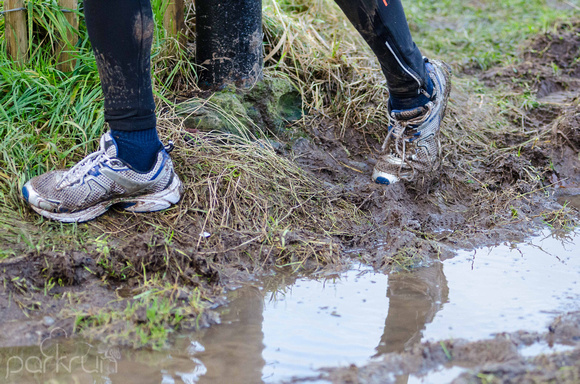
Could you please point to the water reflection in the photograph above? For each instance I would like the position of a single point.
(291, 327)
(233, 352)
(305, 324)
(308, 324)
(414, 299)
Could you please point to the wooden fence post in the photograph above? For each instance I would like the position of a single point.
(16, 31)
(174, 20)
(65, 59)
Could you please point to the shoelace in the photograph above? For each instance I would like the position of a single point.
(81, 168)
(398, 130)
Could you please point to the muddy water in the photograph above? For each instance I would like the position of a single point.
(289, 328)
(571, 200)
(509, 288)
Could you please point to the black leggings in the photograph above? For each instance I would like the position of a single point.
(121, 33)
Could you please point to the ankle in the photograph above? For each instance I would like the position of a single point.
(137, 148)
(405, 103)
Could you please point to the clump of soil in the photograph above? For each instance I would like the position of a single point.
(549, 67)
(73, 290)
(489, 361)
(550, 72)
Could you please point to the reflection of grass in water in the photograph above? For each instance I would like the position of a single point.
(406, 258)
(258, 208)
(147, 320)
(559, 220)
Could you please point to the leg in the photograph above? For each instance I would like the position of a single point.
(131, 167)
(382, 23)
(414, 299)
(418, 90)
(121, 33)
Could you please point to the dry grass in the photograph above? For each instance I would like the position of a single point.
(242, 200)
(335, 71)
(243, 187)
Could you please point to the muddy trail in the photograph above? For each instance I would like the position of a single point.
(451, 321)
(479, 192)
(142, 277)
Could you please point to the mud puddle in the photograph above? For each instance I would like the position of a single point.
(286, 329)
(572, 200)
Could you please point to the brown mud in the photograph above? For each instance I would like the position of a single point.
(481, 195)
(549, 143)
(492, 361)
(222, 232)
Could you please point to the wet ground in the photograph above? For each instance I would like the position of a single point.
(356, 326)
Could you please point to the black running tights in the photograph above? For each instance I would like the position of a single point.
(121, 33)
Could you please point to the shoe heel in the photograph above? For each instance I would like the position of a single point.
(155, 201)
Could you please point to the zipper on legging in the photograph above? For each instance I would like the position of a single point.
(404, 68)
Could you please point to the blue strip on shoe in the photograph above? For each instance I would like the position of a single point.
(25, 193)
(161, 166)
(126, 205)
(382, 180)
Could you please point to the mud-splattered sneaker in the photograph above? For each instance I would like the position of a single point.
(413, 145)
(101, 180)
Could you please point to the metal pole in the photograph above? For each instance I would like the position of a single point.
(229, 42)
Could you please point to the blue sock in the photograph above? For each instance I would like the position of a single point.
(138, 148)
(412, 102)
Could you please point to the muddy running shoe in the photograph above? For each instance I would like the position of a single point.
(413, 145)
(101, 180)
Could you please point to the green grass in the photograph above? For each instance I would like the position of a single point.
(485, 33)
(148, 319)
(50, 119)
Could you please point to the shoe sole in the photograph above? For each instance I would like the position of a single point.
(146, 203)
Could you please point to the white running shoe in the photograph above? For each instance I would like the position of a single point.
(413, 144)
(101, 180)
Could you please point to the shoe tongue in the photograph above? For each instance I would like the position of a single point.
(109, 145)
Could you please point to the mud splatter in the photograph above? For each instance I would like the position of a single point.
(143, 28)
(113, 81)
